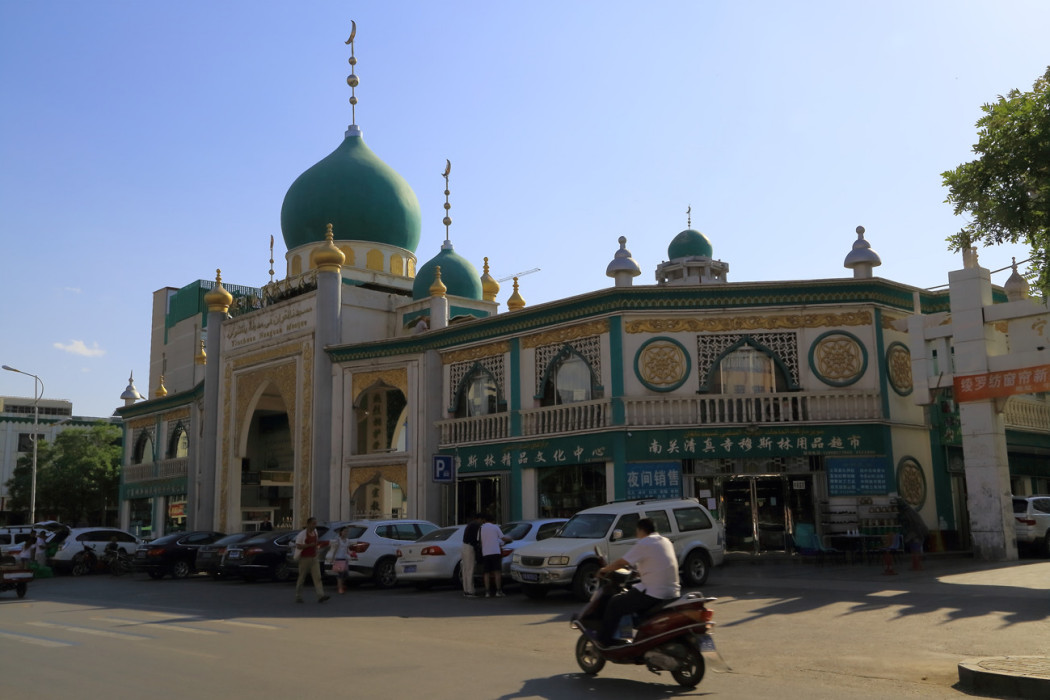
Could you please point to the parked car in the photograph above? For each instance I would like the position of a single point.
(568, 559)
(12, 540)
(433, 558)
(174, 554)
(262, 556)
(71, 544)
(373, 554)
(209, 556)
(1032, 522)
(523, 532)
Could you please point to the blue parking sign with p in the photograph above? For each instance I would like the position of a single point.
(444, 468)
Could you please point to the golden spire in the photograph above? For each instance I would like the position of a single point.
(201, 358)
(328, 257)
(447, 221)
(351, 79)
(218, 299)
(489, 285)
(161, 389)
(438, 289)
(516, 301)
(271, 258)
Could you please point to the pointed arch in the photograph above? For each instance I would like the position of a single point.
(478, 393)
(782, 379)
(179, 443)
(562, 383)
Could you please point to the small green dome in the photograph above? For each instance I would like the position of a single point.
(690, 243)
(457, 273)
(361, 196)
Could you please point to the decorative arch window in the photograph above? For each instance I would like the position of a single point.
(381, 415)
(747, 369)
(569, 379)
(143, 453)
(478, 394)
(179, 446)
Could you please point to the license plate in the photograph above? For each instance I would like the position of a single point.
(234, 555)
(707, 642)
(140, 555)
(411, 569)
(529, 577)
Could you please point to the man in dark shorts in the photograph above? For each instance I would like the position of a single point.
(491, 559)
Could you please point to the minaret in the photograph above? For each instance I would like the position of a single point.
(131, 394)
(862, 258)
(200, 487)
(489, 284)
(623, 267)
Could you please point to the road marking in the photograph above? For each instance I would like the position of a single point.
(201, 618)
(38, 641)
(253, 625)
(89, 630)
(161, 625)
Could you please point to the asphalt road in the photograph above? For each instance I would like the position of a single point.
(785, 629)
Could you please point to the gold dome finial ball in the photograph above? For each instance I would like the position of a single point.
(352, 61)
(860, 229)
(447, 221)
(353, 100)
(352, 80)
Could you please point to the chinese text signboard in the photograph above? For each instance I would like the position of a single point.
(654, 480)
(857, 476)
(1029, 380)
(764, 441)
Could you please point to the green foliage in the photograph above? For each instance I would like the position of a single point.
(1006, 190)
(77, 477)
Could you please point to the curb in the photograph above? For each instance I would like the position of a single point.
(1012, 676)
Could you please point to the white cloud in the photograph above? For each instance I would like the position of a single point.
(77, 347)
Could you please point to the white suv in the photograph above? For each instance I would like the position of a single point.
(1032, 521)
(373, 551)
(568, 558)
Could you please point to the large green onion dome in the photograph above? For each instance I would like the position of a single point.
(459, 276)
(361, 196)
(690, 243)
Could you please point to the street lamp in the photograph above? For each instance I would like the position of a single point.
(36, 418)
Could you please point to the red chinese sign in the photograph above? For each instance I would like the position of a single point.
(1006, 383)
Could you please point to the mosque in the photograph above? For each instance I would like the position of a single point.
(363, 384)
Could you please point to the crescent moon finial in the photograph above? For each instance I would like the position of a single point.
(447, 221)
(353, 32)
(448, 168)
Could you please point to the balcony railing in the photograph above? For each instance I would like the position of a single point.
(664, 412)
(164, 469)
(1027, 415)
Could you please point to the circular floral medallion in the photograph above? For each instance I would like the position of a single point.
(898, 368)
(662, 364)
(911, 482)
(838, 358)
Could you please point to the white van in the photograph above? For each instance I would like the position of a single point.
(568, 558)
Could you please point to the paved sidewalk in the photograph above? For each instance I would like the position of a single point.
(1002, 676)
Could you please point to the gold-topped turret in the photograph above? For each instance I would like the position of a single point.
(201, 358)
(516, 301)
(438, 289)
(161, 390)
(218, 299)
(489, 285)
(328, 257)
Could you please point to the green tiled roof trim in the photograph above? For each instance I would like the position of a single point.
(166, 403)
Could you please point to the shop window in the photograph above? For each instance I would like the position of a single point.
(564, 491)
(478, 395)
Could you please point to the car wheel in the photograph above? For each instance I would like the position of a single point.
(384, 574)
(181, 569)
(588, 656)
(534, 591)
(21, 589)
(691, 672)
(285, 573)
(156, 575)
(81, 566)
(586, 581)
(696, 568)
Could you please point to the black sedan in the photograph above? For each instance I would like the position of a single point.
(209, 557)
(173, 554)
(262, 556)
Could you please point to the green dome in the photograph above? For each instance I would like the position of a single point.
(361, 196)
(690, 243)
(459, 276)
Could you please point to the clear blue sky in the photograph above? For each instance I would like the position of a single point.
(145, 144)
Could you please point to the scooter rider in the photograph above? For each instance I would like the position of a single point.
(654, 558)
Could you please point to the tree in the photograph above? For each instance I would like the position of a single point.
(78, 477)
(1006, 190)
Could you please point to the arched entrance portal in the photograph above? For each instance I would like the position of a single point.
(267, 483)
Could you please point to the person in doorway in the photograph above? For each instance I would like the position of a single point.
(913, 532)
(306, 547)
(468, 553)
(653, 556)
(491, 559)
(339, 557)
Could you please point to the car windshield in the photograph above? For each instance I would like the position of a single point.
(437, 535)
(589, 526)
(232, 539)
(1020, 505)
(516, 531)
(355, 531)
(168, 538)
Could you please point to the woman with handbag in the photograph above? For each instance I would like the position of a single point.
(338, 557)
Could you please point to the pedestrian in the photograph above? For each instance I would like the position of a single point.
(339, 557)
(306, 547)
(913, 532)
(28, 550)
(468, 553)
(41, 549)
(266, 525)
(491, 559)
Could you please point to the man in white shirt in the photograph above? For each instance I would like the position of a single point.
(653, 557)
(492, 539)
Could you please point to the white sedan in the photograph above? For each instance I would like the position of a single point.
(433, 558)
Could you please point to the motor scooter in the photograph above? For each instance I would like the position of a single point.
(668, 637)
